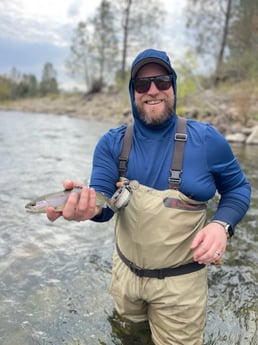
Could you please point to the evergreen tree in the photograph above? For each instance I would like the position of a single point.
(48, 82)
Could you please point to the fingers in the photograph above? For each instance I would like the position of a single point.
(197, 240)
(69, 184)
(81, 206)
(208, 254)
(87, 206)
(52, 214)
(209, 244)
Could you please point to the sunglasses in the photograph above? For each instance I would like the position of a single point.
(162, 82)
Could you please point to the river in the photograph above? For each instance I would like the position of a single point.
(55, 276)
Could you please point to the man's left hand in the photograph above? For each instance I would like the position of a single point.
(209, 244)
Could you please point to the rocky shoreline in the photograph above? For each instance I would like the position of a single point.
(100, 108)
(115, 108)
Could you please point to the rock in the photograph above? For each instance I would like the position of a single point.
(236, 138)
(247, 130)
(253, 137)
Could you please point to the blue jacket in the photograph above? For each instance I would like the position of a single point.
(208, 163)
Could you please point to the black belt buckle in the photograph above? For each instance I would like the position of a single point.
(140, 272)
(136, 270)
(161, 274)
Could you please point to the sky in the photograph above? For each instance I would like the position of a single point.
(35, 32)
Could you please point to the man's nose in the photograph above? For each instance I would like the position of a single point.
(153, 88)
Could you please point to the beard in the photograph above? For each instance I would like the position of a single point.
(152, 117)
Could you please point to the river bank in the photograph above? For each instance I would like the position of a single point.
(101, 107)
(234, 113)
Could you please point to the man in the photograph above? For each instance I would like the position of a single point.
(163, 242)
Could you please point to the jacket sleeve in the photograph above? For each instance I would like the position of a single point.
(231, 182)
(104, 173)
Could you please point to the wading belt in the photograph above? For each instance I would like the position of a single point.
(162, 272)
(174, 182)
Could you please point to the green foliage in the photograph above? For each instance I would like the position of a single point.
(10, 88)
(19, 85)
(244, 98)
(187, 81)
(120, 82)
(5, 88)
(186, 86)
(121, 85)
(226, 31)
(47, 87)
(48, 84)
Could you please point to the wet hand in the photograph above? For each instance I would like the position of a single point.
(52, 214)
(209, 244)
(78, 207)
(81, 206)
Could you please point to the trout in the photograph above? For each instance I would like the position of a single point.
(57, 201)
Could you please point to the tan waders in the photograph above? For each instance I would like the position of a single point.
(162, 285)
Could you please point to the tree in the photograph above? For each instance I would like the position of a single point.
(139, 23)
(243, 44)
(210, 21)
(223, 44)
(5, 88)
(95, 49)
(223, 29)
(48, 82)
(93, 53)
(105, 41)
(80, 57)
(32, 84)
(15, 75)
(18, 85)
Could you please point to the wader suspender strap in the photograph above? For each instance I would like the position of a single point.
(123, 158)
(176, 166)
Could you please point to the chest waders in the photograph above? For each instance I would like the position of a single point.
(155, 231)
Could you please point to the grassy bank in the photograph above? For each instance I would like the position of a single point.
(228, 107)
(102, 106)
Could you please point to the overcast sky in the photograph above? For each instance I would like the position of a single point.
(33, 32)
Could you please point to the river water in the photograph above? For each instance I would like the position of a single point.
(54, 277)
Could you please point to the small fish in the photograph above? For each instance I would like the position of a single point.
(57, 201)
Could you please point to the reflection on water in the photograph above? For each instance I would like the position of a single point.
(55, 276)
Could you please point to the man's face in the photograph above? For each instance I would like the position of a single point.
(154, 106)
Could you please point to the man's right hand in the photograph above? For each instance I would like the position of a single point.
(78, 207)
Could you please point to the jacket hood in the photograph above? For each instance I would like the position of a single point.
(143, 58)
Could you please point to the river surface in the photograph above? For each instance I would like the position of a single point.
(54, 277)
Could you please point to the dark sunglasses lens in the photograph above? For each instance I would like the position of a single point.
(142, 85)
(163, 83)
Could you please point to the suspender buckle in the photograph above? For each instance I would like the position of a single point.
(181, 137)
(175, 178)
